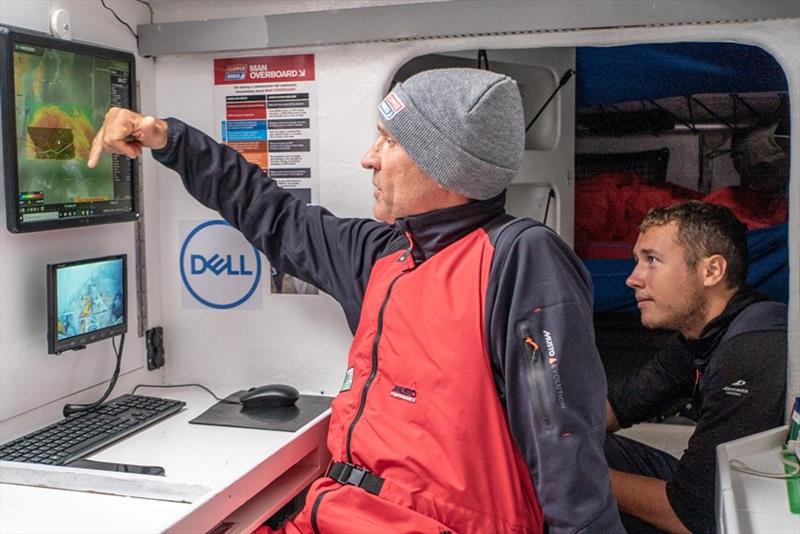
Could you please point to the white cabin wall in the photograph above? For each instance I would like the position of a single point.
(548, 161)
(33, 384)
(183, 10)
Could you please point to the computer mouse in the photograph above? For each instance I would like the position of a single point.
(269, 396)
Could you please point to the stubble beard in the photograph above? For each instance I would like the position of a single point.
(689, 315)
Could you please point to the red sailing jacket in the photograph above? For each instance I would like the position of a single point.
(405, 352)
(474, 398)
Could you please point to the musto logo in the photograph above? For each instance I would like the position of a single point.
(218, 267)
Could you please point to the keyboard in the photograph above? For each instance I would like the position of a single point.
(85, 432)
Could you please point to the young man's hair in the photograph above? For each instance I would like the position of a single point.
(704, 230)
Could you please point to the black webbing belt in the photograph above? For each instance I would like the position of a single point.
(345, 473)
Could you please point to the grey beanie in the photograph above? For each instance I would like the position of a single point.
(463, 127)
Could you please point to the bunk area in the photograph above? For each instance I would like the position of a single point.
(658, 124)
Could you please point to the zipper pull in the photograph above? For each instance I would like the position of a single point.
(697, 375)
(403, 257)
(524, 333)
(538, 372)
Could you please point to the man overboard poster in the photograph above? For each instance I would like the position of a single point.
(266, 109)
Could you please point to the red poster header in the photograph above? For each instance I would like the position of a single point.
(240, 70)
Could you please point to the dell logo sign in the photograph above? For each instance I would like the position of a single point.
(219, 269)
(218, 265)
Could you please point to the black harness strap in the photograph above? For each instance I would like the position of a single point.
(345, 473)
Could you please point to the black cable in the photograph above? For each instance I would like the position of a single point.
(551, 194)
(148, 7)
(70, 409)
(564, 79)
(121, 21)
(223, 401)
(483, 59)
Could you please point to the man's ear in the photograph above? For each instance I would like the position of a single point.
(713, 270)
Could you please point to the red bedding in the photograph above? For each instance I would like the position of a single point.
(610, 206)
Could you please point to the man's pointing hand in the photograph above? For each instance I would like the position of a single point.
(127, 132)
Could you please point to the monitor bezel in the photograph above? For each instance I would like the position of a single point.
(8, 127)
(56, 346)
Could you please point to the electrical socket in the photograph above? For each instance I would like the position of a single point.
(155, 348)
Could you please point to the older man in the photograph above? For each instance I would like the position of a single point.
(473, 399)
(728, 356)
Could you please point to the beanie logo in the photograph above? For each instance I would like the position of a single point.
(390, 106)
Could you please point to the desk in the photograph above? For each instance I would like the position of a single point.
(213, 475)
(749, 503)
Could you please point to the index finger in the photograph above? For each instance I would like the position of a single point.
(113, 136)
(97, 149)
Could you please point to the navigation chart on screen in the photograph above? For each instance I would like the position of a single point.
(61, 98)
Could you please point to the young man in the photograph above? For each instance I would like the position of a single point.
(728, 356)
(473, 399)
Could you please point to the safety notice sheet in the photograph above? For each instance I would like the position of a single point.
(266, 109)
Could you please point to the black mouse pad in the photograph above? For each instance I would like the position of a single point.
(286, 418)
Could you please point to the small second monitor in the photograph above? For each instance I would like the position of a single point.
(86, 302)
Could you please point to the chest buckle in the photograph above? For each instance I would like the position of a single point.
(351, 475)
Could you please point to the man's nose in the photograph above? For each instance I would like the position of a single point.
(370, 160)
(634, 280)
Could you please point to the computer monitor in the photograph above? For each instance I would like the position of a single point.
(86, 302)
(53, 98)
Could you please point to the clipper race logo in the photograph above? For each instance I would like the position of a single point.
(235, 73)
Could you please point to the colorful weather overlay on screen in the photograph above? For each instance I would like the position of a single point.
(61, 99)
(90, 297)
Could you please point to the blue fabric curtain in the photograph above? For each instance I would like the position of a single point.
(639, 72)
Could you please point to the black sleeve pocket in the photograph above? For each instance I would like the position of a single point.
(536, 372)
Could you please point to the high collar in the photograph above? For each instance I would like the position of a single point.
(702, 347)
(432, 231)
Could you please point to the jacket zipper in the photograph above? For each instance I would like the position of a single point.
(370, 378)
(373, 371)
(315, 509)
(540, 407)
(696, 388)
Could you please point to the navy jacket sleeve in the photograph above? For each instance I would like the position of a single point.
(654, 387)
(744, 393)
(550, 376)
(308, 242)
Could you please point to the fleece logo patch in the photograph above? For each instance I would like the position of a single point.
(348, 380)
(737, 389)
(390, 106)
(553, 361)
(404, 393)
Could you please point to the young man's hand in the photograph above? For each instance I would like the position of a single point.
(127, 132)
(612, 424)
